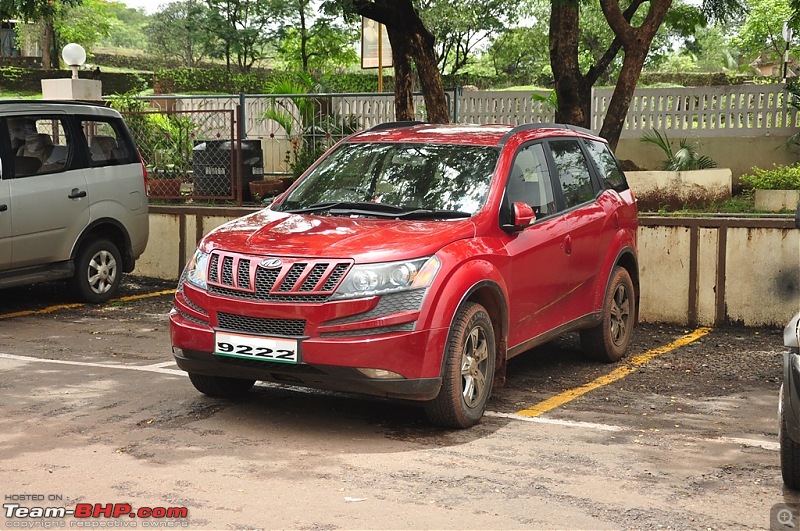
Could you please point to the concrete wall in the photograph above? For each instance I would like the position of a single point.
(706, 271)
(739, 153)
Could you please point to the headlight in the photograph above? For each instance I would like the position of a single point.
(376, 279)
(197, 269)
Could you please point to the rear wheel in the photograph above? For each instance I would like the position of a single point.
(220, 386)
(98, 271)
(790, 450)
(609, 340)
(468, 370)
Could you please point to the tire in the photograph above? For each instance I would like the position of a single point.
(468, 370)
(98, 271)
(608, 341)
(790, 450)
(219, 386)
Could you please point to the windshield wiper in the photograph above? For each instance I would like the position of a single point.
(348, 207)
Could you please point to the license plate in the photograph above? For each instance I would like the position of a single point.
(257, 347)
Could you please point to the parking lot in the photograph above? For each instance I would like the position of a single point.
(682, 434)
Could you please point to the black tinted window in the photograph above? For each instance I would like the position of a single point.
(607, 165)
(573, 172)
(39, 144)
(107, 145)
(529, 181)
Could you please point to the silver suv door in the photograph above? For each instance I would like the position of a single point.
(49, 206)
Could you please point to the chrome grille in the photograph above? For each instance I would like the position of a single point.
(293, 280)
(261, 326)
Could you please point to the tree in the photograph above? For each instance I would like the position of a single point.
(181, 31)
(459, 26)
(127, 27)
(43, 11)
(411, 44)
(85, 24)
(313, 37)
(573, 86)
(328, 47)
(520, 51)
(762, 29)
(245, 28)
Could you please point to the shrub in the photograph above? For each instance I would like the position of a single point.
(778, 178)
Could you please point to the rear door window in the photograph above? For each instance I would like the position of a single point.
(573, 172)
(107, 142)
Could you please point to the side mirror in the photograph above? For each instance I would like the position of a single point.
(523, 217)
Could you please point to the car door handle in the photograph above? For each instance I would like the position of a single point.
(77, 194)
(568, 245)
(3, 208)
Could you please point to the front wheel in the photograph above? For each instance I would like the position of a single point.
(790, 450)
(468, 370)
(219, 386)
(609, 340)
(98, 271)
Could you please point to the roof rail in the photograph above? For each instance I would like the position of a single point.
(393, 125)
(529, 127)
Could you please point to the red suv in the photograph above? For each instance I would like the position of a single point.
(412, 261)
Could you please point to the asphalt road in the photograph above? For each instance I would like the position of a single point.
(97, 419)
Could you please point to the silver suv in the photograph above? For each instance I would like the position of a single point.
(72, 197)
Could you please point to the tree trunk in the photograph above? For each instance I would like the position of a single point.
(574, 90)
(47, 44)
(410, 40)
(403, 78)
(574, 94)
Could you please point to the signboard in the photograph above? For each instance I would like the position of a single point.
(371, 34)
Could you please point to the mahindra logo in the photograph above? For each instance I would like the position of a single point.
(270, 263)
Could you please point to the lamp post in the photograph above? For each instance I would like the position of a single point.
(72, 89)
(787, 36)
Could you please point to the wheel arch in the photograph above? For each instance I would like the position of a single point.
(628, 261)
(491, 296)
(113, 231)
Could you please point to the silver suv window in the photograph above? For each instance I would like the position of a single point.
(39, 144)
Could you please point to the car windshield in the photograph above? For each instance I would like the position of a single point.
(441, 180)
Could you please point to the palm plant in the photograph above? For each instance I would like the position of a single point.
(685, 158)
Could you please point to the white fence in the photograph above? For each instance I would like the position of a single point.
(737, 110)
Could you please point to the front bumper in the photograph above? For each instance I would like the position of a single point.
(337, 339)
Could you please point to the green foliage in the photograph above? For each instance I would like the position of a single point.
(207, 80)
(762, 28)
(164, 141)
(184, 31)
(779, 177)
(86, 23)
(685, 158)
(550, 101)
(11, 73)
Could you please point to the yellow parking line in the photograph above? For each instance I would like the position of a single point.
(631, 366)
(51, 309)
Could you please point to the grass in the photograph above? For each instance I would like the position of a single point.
(19, 95)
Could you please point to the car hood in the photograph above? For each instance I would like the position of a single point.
(364, 239)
